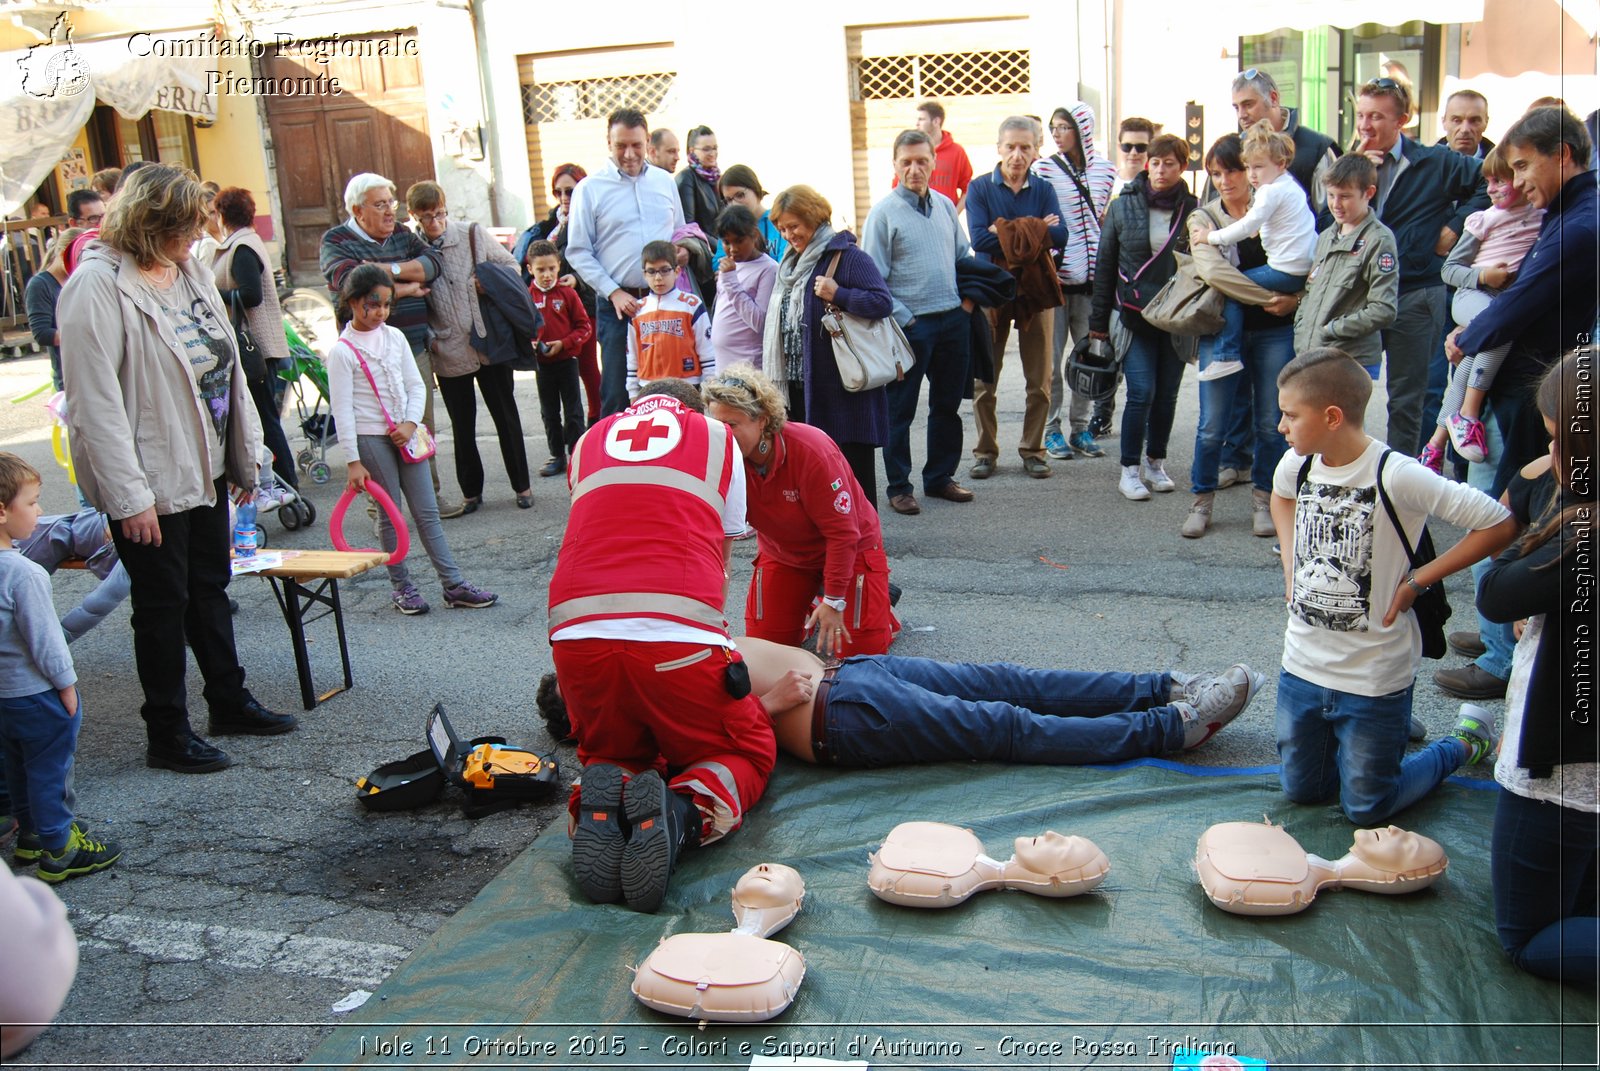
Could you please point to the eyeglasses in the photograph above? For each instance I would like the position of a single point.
(433, 217)
(565, 191)
(1135, 146)
(661, 271)
(381, 206)
(1060, 128)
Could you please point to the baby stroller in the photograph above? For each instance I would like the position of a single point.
(316, 421)
(275, 496)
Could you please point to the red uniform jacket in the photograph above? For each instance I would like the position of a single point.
(809, 510)
(565, 321)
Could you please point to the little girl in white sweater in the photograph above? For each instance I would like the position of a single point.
(1280, 215)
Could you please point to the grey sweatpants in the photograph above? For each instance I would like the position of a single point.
(382, 460)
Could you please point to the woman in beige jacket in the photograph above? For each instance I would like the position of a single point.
(161, 422)
(453, 317)
(1244, 404)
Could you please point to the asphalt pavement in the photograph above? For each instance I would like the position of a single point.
(249, 902)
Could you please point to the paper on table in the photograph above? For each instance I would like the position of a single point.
(268, 559)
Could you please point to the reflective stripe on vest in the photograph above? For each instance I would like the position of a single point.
(705, 489)
(635, 603)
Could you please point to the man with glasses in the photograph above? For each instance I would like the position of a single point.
(615, 213)
(85, 208)
(370, 236)
(1425, 193)
(1255, 97)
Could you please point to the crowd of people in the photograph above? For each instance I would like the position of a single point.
(677, 331)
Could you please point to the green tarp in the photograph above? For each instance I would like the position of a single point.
(531, 975)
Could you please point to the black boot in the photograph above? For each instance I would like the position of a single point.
(662, 824)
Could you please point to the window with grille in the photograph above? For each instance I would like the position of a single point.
(595, 98)
(944, 74)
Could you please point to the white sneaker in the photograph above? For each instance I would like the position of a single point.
(1153, 473)
(1220, 370)
(1132, 488)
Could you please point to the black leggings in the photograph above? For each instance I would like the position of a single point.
(498, 385)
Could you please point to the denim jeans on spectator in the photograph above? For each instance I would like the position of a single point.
(612, 332)
(1254, 388)
(939, 340)
(1498, 639)
(1230, 340)
(1333, 743)
(1542, 865)
(1239, 441)
(38, 739)
(1154, 372)
(885, 710)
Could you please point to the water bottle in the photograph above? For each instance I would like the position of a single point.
(244, 530)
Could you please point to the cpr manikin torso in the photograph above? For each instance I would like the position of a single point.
(1252, 868)
(931, 864)
(736, 977)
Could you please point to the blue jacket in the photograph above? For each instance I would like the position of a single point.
(989, 199)
(1548, 309)
(1438, 187)
(861, 417)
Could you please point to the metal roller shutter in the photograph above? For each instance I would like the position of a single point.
(566, 97)
(979, 71)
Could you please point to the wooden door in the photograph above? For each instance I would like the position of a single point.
(379, 123)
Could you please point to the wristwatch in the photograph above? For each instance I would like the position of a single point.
(837, 605)
(1411, 579)
(394, 269)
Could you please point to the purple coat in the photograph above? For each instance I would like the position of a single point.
(847, 417)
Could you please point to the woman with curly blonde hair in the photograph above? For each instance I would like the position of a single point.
(819, 541)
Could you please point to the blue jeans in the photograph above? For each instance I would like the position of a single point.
(612, 332)
(939, 340)
(1498, 639)
(1546, 900)
(1230, 340)
(1154, 372)
(1239, 441)
(39, 738)
(1255, 389)
(1334, 743)
(884, 710)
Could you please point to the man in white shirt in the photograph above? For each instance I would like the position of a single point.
(615, 211)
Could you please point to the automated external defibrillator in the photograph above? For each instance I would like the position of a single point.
(494, 775)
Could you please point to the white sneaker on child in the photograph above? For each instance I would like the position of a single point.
(1467, 435)
(1220, 370)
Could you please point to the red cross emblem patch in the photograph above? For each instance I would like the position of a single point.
(643, 436)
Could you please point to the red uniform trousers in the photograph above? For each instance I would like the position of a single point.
(665, 706)
(782, 597)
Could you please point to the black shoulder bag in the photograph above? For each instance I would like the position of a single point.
(250, 354)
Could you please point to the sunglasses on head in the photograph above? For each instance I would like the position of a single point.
(1134, 146)
(1384, 83)
(1251, 74)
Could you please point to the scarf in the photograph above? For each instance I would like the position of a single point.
(1167, 199)
(786, 312)
(710, 174)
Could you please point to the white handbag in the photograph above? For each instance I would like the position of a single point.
(869, 353)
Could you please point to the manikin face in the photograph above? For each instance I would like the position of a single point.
(1465, 120)
(1048, 853)
(627, 145)
(748, 431)
(1394, 849)
(913, 166)
(769, 885)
